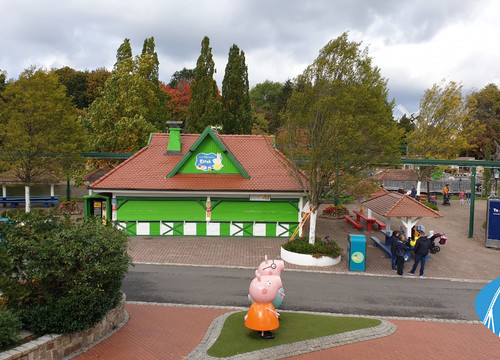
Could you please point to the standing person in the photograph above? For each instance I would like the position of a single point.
(394, 241)
(461, 196)
(467, 195)
(446, 195)
(413, 192)
(400, 254)
(421, 251)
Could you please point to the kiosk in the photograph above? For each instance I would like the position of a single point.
(97, 206)
(356, 252)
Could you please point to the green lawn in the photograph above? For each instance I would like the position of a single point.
(235, 338)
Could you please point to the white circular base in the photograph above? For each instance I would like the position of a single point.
(308, 260)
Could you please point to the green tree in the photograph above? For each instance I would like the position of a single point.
(444, 126)
(76, 85)
(268, 99)
(131, 106)
(95, 83)
(124, 53)
(205, 106)
(340, 116)
(3, 81)
(40, 131)
(148, 62)
(184, 75)
(237, 116)
(486, 105)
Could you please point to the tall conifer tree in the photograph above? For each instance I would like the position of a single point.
(205, 107)
(236, 109)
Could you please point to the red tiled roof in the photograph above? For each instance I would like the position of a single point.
(148, 168)
(395, 175)
(96, 174)
(44, 178)
(399, 205)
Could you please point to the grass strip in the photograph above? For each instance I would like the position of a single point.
(236, 339)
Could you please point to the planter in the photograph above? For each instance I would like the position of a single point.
(308, 260)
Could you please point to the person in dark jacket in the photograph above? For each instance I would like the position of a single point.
(413, 192)
(421, 251)
(400, 254)
(394, 241)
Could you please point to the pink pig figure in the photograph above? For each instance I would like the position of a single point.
(262, 315)
(271, 267)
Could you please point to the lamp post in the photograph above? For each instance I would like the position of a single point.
(496, 175)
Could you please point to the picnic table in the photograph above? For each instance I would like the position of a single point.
(369, 220)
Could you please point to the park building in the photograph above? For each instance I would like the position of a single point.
(201, 185)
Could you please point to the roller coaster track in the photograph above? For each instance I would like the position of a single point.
(488, 319)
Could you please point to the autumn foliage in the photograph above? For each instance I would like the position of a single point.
(179, 99)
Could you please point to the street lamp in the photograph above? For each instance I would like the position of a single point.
(496, 175)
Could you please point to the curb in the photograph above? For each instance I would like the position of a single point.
(292, 349)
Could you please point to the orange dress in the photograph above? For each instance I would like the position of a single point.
(260, 318)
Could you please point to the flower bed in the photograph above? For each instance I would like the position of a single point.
(335, 212)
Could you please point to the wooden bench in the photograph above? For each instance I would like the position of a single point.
(355, 224)
(14, 201)
(380, 244)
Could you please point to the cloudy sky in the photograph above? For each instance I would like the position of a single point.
(414, 43)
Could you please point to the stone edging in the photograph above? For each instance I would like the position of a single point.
(55, 346)
(283, 351)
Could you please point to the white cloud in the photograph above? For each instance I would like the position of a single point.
(415, 43)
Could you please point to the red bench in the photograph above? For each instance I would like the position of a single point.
(381, 225)
(355, 224)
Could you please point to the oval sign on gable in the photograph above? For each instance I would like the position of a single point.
(209, 162)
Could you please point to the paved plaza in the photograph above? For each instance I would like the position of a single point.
(168, 331)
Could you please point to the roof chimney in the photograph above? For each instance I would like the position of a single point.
(174, 139)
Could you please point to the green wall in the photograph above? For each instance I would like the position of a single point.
(254, 210)
(208, 146)
(160, 209)
(194, 210)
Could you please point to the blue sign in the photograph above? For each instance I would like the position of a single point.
(488, 306)
(493, 223)
(209, 162)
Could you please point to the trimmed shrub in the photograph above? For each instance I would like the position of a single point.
(318, 249)
(9, 329)
(61, 275)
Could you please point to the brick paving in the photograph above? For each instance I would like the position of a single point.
(171, 332)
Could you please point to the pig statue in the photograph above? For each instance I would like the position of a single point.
(271, 267)
(262, 315)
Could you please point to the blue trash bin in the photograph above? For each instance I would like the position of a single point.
(356, 252)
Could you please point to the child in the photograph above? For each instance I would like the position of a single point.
(462, 197)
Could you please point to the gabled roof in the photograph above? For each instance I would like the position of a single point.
(267, 168)
(208, 132)
(399, 205)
